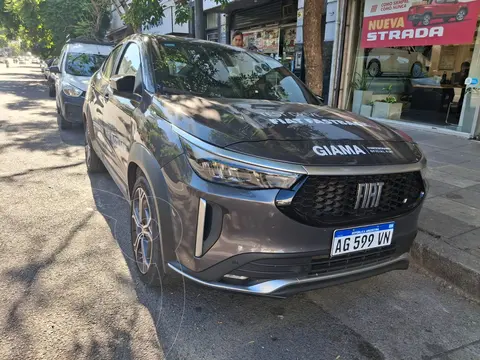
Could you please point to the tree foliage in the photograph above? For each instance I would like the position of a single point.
(149, 13)
(44, 25)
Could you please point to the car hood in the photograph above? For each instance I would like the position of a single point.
(80, 82)
(292, 132)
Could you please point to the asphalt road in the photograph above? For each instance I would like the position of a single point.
(68, 288)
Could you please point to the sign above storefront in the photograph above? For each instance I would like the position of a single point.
(416, 23)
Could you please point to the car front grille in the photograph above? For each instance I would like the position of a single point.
(330, 200)
(284, 268)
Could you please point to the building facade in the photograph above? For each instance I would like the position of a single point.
(413, 61)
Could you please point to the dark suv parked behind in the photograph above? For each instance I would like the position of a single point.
(239, 178)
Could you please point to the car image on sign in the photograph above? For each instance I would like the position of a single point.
(362, 238)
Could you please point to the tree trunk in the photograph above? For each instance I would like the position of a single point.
(313, 44)
(199, 20)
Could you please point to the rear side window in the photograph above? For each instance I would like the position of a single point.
(109, 64)
(80, 64)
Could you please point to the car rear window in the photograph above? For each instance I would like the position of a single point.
(80, 64)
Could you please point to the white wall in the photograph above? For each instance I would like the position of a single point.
(168, 25)
(210, 4)
(116, 21)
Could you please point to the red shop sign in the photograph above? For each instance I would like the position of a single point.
(414, 23)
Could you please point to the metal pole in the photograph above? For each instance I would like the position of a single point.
(199, 20)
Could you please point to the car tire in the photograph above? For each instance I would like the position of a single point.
(51, 91)
(374, 68)
(62, 123)
(144, 232)
(461, 15)
(417, 70)
(426, 19)
(93, 162)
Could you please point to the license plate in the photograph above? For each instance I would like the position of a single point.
(361, 238)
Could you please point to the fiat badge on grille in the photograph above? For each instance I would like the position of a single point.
(368, 195)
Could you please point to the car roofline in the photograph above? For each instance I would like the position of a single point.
(89, 42)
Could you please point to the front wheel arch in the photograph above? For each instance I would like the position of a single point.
(141, 158)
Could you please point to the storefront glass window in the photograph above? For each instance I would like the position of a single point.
(413, 59)
(287, 37)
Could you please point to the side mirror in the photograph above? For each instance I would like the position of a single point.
(320, 98)
(123, 83)
(54, 69)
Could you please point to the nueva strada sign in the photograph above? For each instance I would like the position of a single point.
(416, 23)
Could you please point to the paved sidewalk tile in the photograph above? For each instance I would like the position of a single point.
(448, 243)
(469, 242)
(465, 196)
(454, 180)
(464, 213)
(434, 164)
(436, 223)
(450, 157)
(471, 352)
(475, 188)
(472, 147)
(444, 141)
(462, 171)
(438, 187)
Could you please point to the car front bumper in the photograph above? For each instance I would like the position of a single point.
(72, 107)
(290, 286)
(243, 233)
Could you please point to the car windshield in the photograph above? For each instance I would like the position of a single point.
(214, 71)
(79, 64)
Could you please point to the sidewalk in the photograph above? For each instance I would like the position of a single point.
(448, 243)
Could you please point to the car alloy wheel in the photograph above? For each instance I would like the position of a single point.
(460, 15)
(426, 19)
(373, 69)
(142, 217)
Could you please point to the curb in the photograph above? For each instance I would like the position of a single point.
(447, 262)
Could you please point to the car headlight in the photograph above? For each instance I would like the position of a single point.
(217, 169)
(71, 90)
